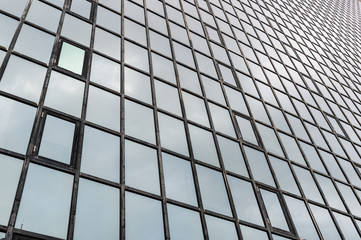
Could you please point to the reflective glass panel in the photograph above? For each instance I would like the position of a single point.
(252, 233)
(220, 229)
(325, 223)
(101, 154)
(107, 43)
(109, 19)
(71, 58)
(105, 72)
(44, 15)
(76, 30)
(45, 205)
(195, 109)
(167, 97)
(137, 85)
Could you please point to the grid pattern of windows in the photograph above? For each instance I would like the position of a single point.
(170, 119)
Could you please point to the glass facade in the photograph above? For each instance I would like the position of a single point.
(180, 119)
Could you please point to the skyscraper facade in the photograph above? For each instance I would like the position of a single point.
(170, 119)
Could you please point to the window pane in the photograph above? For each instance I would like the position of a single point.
(103, 219)
(57, 140)
(167, 97)
(107, 43)
(189, 79)
(105, 72)
(213, 90)
(135, 32)
(101, 154)
(236, 100)
(137, 85)
(292, 149)
(139, 121)
(220, 229)
(109, 19)
(232, 156)
(308, 184)
(252, 233)
(163, 68)
(141, 167)
(136, 56)
(284, 175)
(71, 58)
(172, 134)
(25, 81)
(274, 210)
(45, 205)
(13, 7)
(65, 94)
(184, 223)
(214, 195)
(9, 177)
(247, 131)
(203, 145)
(76, 29)
(103, 108)
(301, 218)
(269, 139)
(35, 43)
(348, 229)
(245, 201)
(44, 15)
(259, 166)
(145, 214)
(16, 125)
(325, 223)
(222, 120)
(81, 7)
(195, 109)
(178, 178)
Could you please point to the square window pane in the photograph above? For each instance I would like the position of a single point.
(137, 85)
(103, 219)
(71, 58)
(45, 205)
(76, 30)
(25, 81)
(7, 26)
(57, 139)
(107, 43)
(101, 154)
(65, 94)
(44, 15)
(103, 108)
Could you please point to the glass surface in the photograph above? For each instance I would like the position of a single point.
(172, 134)
(213, 90)
(178, 179)
(139, 121)
(245, 201)
(103, 219)
(35, 43)
(213, 191)
(221, 120)
(9, 177)
(44, 15)
(45, 205)
(101, 154)
(269, 139)
(16, 125)
(252, 233)
(109, 19)
(258, 110)
(247, 131)
(13, 7)
(141, 167)
(220, 229)
(116, 5)
(348, 229)
(284, 175)
(81, 7)
(137, 85)
(308, 184)
(105, 72)
(135, 32)
(205, 65)
(76, 30)
(232, 156)
(167, 97)
(330, 192)
(259, 166)
(312, 157)
(145, 214)
(136, 56)
(71, 58)
(279, 121)
(163, 68)
(195, 109)
(103, 108)
(107, 43)
(65, 94)
(189, 79)
(57, 139)
(325, 223)
(274, 210)
(203, 145)
(350, 198)
(184, 223)
(301, 218)
(332, 165)
(292, 149)
(159, 43)
(25, 81)
(236, 100)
